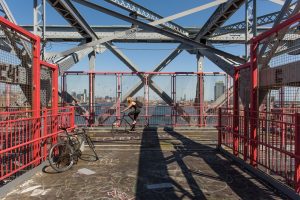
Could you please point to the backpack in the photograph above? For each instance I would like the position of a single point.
(139, 104)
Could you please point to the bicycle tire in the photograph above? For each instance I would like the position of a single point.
(92, 146)
(113, 127)
(61, 157)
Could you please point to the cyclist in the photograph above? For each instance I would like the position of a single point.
(134, 113)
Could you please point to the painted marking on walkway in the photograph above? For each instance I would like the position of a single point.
(159, 186)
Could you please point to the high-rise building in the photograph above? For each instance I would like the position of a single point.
(74, 94)
(219, 89)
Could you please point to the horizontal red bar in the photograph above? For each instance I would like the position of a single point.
(279, 27)
(133, 73)
(52, 66)
(18, 29)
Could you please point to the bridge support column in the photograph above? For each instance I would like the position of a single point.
(174, 105)
(146, 98)
(236, 112)
(36, 99)
(119, 92)
(92, 62)
(199, 100)
(253, 105)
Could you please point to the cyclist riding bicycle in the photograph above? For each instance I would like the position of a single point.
(135, 105)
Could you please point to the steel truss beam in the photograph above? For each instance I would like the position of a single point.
(85, 27)
(239, 26)
(158, 68)
(269, 48)
(148, 15)
(155, 29)
(39, 22)
(272, 43)
(68, 33)
(153, 86)
(219, 17)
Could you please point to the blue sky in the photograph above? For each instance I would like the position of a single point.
(146, 60)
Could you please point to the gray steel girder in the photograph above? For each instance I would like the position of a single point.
(219, 17)
(62, 33)
(239, 26)
(158, 30)
(80, 22)
(147, 14)
(271, 45)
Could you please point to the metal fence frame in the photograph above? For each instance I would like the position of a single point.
(174, 115)
(26, 129)
(241, 130)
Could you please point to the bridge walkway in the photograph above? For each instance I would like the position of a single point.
(153, 163)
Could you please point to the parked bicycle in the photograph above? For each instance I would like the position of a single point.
(65, 153)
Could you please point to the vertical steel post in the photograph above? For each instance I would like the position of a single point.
(297, 152)
(45, 132)
(64, 89)
(227, 90)
(92, 64)
(72, 117)
(55, 99)
(253, 104)
(173, 93)
(201, 100)
(246, 128)
(268, 118)
(146, 98)
(91, 98)
(39, 19)
(200, 90)
(118, 107)
(250, 19)
(220, 128)
(236, 112)
(36, 91)
(282, 125)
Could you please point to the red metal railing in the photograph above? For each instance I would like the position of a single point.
(159, 115)
(20, 149)
(277, 141)
(265, 136)
(181, 101)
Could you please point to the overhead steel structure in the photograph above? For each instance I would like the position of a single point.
(198, 41)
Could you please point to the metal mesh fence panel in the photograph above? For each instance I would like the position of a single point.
(46, 87)
(16, 59)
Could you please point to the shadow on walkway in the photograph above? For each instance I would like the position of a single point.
(200, 166)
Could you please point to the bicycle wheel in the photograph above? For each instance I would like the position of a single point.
(61, 157)
(115, 126)
(92, 146)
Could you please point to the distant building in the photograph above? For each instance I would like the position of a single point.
(219, 89)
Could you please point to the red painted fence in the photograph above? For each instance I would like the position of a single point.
(277, 143)
(262, 128)
(21, 136)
